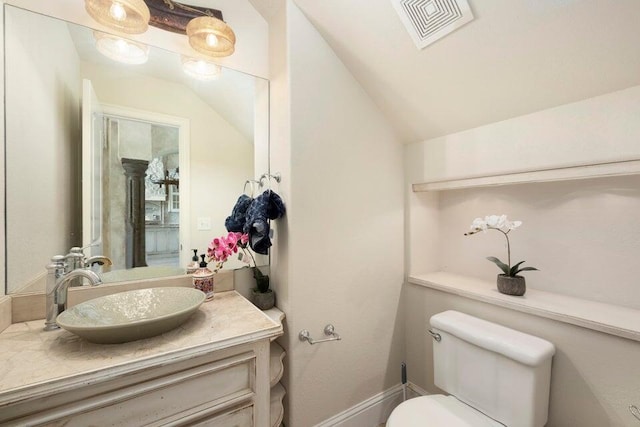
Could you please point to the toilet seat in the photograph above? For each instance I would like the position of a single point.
(438, 410)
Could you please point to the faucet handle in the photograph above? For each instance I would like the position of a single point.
(74, 259)
(58, 260)
(57, 265)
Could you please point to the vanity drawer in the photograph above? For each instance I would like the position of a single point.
(242, 417)
(192, 394)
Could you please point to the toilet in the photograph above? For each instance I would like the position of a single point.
(495, 376)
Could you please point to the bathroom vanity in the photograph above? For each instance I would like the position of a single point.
(214, 370)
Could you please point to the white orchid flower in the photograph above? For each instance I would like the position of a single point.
(495, 221)
(478, 224)
(514, 224)
(503, 225)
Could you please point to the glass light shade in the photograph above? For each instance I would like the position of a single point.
(202, 32)
(200, 69)
(117, 11)
(121, 50)
(126, 16)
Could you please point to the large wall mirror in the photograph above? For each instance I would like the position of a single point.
(87, 134)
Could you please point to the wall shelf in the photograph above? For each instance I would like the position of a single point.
(596, 170)
(611, 319)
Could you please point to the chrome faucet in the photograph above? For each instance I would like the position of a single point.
(77, 259)
(58, 281)
(98, 259)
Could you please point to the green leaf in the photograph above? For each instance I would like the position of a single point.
(525, 269)
(262, 280)
(528, 269)
(514, 270)
(501, 265)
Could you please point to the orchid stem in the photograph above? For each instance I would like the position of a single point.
(245, 250)
(508, 246)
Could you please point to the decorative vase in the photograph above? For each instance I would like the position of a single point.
(511, 285)
(263, 300)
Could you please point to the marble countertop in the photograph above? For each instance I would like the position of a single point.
(32, 358)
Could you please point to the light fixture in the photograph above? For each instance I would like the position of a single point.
(126, 16)
(121, 50)
(207, 32)
(171, 177)
(211, 36)
(200, 69)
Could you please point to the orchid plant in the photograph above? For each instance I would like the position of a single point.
(221, 248)
(502, 224)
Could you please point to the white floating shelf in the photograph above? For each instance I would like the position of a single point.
(598, 170)
(611, 319)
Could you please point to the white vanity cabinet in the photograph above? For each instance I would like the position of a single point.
(225, 383)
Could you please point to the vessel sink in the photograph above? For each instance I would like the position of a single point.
(132, 315)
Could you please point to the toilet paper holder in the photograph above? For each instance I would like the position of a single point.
(329, 331)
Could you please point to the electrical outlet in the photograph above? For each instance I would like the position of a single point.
(204, 223)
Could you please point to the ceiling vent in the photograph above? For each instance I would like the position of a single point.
(429, 20)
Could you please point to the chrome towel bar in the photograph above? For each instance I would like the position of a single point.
(329, 331)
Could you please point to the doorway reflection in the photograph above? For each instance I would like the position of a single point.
(152, 237)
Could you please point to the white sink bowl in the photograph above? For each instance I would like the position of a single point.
(132, 315)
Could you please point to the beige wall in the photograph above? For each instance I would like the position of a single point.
(221, 159)
(250, 56)
(339, 250)
(599, 129)
(583, 235)
(594, 376)
(42, 209)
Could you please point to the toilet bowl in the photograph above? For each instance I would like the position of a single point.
(496, 377)
(438, 410)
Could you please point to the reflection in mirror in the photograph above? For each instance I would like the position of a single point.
(70, 147)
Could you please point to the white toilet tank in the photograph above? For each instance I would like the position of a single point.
(501, 372)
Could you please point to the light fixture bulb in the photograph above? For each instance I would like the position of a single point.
(124, 16)
(121, 50)
(117, 11)
(200, 69)
(212, 40)
(211, 36)
(121, 45)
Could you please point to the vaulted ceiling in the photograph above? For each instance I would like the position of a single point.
(514, 58)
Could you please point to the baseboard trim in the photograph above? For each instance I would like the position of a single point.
(373, 411)
(419, 391)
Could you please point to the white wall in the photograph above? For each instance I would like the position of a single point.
(583, 235)
(339, 251)
(221, 159)
(40, 211)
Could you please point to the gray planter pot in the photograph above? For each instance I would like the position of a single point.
(264, 301)
(511, 285)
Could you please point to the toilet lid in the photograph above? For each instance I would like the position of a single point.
(438, 410)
